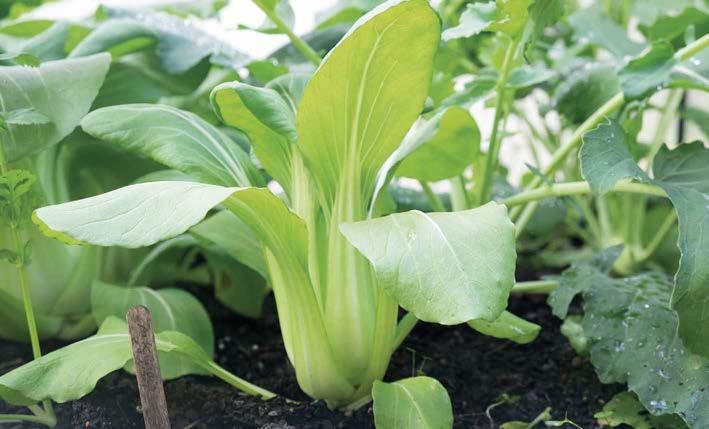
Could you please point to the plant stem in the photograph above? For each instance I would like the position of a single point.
(524, 219)
(536, 286)
(403, 329)
(607, 108)
(659, 236)
(493, 150)
(359, 403)
(436, 202)
(579, 188)
(43, 420)
(668, 113)
(299, 43)
(238, 382)
(25, 288)
(459, 196)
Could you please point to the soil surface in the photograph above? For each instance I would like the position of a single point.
(475, 369)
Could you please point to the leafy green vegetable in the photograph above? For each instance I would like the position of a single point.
(419, 402)
(682, 175)
(79, 80)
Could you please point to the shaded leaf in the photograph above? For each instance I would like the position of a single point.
(170, 310)
(60, 90)
(625, 409)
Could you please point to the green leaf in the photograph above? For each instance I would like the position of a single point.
(180, 45)
(625, 409)
(236, 285)
(176, 138)
(170, 309)
(682, 173)
(266, 119)
(28, 116)
(633, 339)
(282, 9)
(671, 19)
(529, 75)
(699, 117)
(648, 72)
(378, 96)
(13, 324)
(441, 147)
(446, 268)
(594, 83)
(508, 327)
(416, 402)
(72, 372)
(579, 278)
(226, 231)
(60, 90)
(476, 18)
(605, 158)
(592, 26)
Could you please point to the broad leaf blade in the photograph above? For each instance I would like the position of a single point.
(170, 309)
(176, 138)
(356, 109)
(59, 90)
(416, 402)
(441, 147)
(447, 268)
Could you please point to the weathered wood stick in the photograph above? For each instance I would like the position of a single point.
(147, 368)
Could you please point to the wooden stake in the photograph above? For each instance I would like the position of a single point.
(147, 368)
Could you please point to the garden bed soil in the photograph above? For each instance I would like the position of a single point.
(475, 369)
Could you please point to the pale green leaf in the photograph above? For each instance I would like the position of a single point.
(441, 147)
(60, 90)
(591, 25)
(594, 83)
(170, 310)
(447, 268)
(476, 18)
(226, 231)
(648, 72)
(416, 402)
(176, 138)
(72, 372)
(357, 108)
(508, 327)
(266, 119)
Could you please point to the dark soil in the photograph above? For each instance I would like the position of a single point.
(475, 369)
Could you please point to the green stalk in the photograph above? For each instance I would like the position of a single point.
(25, 289)
(47, 420)
(436, 202)
(579, 188)
(536, 286)
(661, 131)
(523, 220)
(299, 43)
(238, 382)
(459, 196)
(493, 150)
(659, 236)
(607, 108)
(403, 329)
